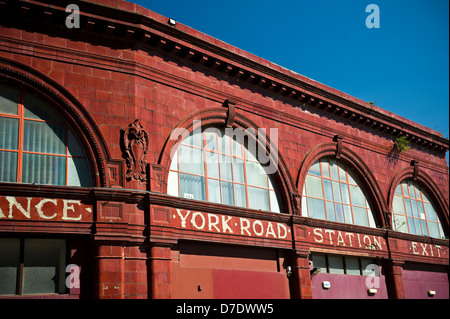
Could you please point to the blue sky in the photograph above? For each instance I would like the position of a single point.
(402, 67)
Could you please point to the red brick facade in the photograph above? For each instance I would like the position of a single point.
(126, 63)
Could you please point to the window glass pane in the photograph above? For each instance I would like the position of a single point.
(211, 141)
(345, 194)
(430, 212)
(256, 175)
(414, 208)
(44, 137)
(320, 262)
(316, 208)
(174, 163)
(39, 110)
(328, 190)
(412, 228)
(425, 197)
(304, 206)
(336, 264)
(314, 186)
(325, 168)
(405, 189)
(44, 169)
(78, 172)
(423, 223)
(399, 207)
(226, 171)
(240, 196)
(195, 140)
(214, 191)
(348, 214)
(192, 185)
(172, 184)
(9, 98)
(315, 169)
(227, 193)
(351, 178)
(398, 190)
(274, 206)
(360, 215)
(9, 133)
(258, 198)
(44, 266)
(339, 212)
(9, 263)
(358, 197)
(342, 175)
(212, 162)
(371, 219)
(352, 265)
(8, 166)
(330, 211)
(336, 192)
(191, 160)
(74, 147)
(366, 262)
(225, 144)
(238, 170)
(237, 148)
(400, 223)
(418, 227)
(408, 206)
(334, 169)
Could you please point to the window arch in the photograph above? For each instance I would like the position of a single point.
(36, 144)
(212, 166)
(413, 211)
(333, 192)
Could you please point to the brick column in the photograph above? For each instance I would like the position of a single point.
(394, 280)
(160, 270)
(302, 276)
(110, 272)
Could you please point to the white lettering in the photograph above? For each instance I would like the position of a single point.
(414, 246)
(39, 208)
(258, 233)
(183, 218)
(225, 227)
(279, 228)
(213, 224)
(13, 202)
(66, 208)
(328, 231)
(270, 230)
(340, 239)
(246, 227)
(194, 221)
(318, 232)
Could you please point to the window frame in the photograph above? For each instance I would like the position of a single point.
(20, 142)
(61, 271)
(422, 200)
(234, 157)
(348, 183)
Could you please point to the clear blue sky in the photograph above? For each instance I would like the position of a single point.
(402, 67)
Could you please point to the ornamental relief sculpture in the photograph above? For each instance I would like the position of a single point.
(135, 144)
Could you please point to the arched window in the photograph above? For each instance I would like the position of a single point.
(413, 211)
(332, 192)
(211, 166)
(36, 145)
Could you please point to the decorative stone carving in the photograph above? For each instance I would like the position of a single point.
(231, 113)
(338, 139)
(135, 146)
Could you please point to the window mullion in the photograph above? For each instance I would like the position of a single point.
(20, 113)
